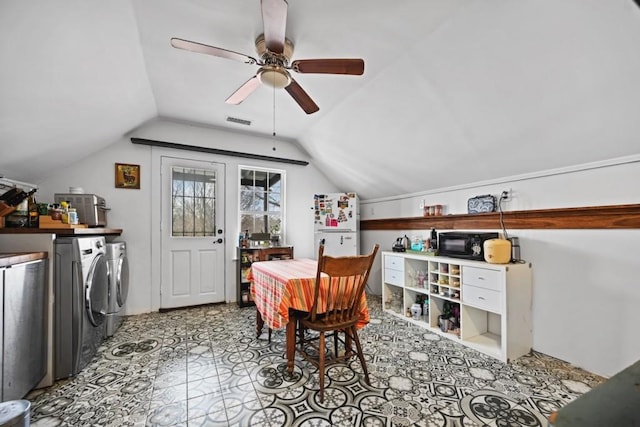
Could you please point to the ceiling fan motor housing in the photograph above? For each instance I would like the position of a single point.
(273, 73)
(265, 54)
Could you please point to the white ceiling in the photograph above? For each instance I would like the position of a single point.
(454, 91)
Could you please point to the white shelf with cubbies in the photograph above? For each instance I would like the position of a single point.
(485, 306)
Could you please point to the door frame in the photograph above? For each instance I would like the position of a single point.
(156, 207)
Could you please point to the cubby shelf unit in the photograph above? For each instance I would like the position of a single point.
(493, 300)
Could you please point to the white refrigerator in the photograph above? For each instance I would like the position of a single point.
(336, 223)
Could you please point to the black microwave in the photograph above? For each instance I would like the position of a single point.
(463, 245)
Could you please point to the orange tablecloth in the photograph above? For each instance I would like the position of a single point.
(277, 286)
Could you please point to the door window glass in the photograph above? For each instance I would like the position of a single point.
(193, 198)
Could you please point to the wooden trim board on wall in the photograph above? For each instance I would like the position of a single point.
(590, 217)
(196, 148)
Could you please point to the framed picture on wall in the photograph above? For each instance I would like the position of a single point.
(127, 176)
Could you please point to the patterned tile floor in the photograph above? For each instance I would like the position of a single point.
(204, 367)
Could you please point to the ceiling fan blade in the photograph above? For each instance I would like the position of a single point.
(243, 91)
(211, 50)
(274, 22)
(301, 97)
(329, 66)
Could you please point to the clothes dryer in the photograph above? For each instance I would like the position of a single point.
(118, 267)
(81, 282)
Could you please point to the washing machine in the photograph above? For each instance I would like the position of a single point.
(118, 268)
(81, 288)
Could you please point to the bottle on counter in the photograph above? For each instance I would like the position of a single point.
(72, 216)
(433, 241)
(65, 212)
(34, 215)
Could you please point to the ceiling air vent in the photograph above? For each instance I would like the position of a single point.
(239, 121)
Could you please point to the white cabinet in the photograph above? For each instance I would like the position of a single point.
(394, 270)
(484, 306)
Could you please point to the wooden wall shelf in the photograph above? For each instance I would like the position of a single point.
(590, 217)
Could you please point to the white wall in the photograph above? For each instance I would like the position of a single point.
(133, 210)
(586, 283)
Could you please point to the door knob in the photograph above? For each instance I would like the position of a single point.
(218, 241)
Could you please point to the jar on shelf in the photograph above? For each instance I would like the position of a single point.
(416, 311)
(416, 244)
(72, 216)
(420, 279)
(55, 212)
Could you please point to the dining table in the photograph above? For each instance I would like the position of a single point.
(281, 287)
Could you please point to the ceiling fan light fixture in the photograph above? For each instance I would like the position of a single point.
(274, 77)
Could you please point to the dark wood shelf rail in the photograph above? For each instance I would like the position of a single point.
(590, 217)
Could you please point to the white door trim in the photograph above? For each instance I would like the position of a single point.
(156, 206)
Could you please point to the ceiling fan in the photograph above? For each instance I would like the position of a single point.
(274, 51)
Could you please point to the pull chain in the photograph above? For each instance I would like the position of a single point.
(274, 118)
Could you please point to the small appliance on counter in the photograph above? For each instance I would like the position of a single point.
(91, 209)
(463, 244)
(401, 244)
(497, 251)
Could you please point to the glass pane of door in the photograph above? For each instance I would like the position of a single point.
(193, 202)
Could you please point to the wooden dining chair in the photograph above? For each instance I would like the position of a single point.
(335, 309)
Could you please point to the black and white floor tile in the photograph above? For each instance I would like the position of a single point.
(204, 367)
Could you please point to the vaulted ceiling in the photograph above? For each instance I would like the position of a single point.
(454, 91)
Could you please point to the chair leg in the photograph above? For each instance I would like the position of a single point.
(269, 336)
(360, 355)
(335, 343)
(348, 346)
(321, 364)
(301, 334)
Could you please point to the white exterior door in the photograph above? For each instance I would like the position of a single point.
(192, 229)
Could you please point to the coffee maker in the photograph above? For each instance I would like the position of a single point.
(401, 244)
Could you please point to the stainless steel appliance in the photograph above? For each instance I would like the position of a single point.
(463, 244)
(92, 209)
(23, 327)
(118, 268)
(81, 287)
